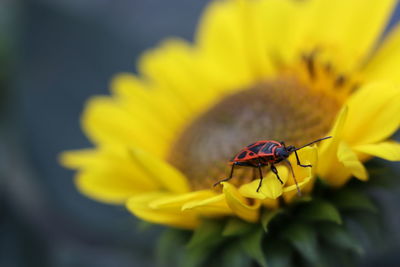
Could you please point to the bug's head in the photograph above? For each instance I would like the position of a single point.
(284, 152)
(291, 148)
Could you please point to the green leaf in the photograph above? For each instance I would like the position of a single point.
(333, 256)
(207, 234)
(319, 210)
(195, 257)
(267, 216)
(235, 227)
(304, 239)
(369, 228)
(203, 242)
(252, 246)
(353, 200)
(170, 247)
(278, 254)
(234, 256)
(338, 236)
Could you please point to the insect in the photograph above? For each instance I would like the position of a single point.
(262, 153)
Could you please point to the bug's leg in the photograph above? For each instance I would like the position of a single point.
(294, 177)
(298, 161)
(227, 179)
(274, 170)
(261, 177)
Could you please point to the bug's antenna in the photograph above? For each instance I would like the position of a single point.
(315, 141)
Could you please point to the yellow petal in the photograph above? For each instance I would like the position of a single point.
(79, 158)
(150, 109)
(174, 67)
(178, 201)
(300, 184)
(270, 31)
(290, 192)
(108, 188)
(101, 158)
(389, 150)
(385, 64)
(350, 28)
(165, 174)
(140, 207)
(373, 114)
(270, 188)
(108, 174)
(239, 204)
(139, 96)
(212, 206)
(349, 159)
(259, 34)
(106, 122)
(221, 25)
(328, 148)
(329, 168)
(304, 175)
(307, 156)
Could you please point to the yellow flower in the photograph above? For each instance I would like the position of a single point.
(263, 69)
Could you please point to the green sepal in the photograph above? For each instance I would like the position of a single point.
(304, 239)
(333, 256)
(197, 257)
(234, 256)
(236, 226)
(252, 246)
(338, 236)
(207, 234)
(319, 210)
(368, 227)
(203, 242)
(267, 216)
(351, 200)
(170, 247)
(278, 253)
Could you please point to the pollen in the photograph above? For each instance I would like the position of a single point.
(288, 108)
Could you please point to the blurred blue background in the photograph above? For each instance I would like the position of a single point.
(54, 54)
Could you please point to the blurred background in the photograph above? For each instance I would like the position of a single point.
(54, 54)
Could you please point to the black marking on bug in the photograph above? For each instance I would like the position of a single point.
(256, 148)
(242, 155)
(268, 148)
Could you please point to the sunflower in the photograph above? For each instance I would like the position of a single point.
(282, 70)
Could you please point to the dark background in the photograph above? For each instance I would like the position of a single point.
(55, 54)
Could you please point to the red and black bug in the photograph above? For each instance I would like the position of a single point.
(262, 153)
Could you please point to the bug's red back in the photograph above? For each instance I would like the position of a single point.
(263, 148)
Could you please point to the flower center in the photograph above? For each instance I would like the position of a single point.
(297, 107)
